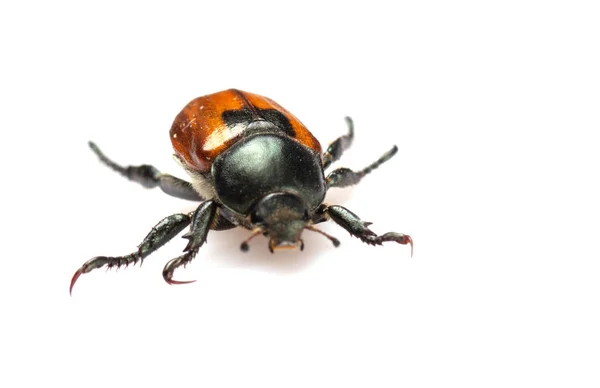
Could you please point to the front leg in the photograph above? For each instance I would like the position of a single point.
(357, 228)
(203, 219)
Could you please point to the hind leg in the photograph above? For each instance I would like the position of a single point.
(337, 148)
(149, 176)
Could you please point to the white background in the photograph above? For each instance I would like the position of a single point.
(494, 107)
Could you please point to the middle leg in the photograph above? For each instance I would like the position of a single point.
(164, 231)
(343, 177)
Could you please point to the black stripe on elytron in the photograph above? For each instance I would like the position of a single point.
(264, 120)
(250, 107)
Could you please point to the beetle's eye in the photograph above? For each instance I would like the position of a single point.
(256, 219)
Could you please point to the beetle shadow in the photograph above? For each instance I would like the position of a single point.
(227, 244)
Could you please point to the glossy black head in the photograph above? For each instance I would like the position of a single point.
(281, 217)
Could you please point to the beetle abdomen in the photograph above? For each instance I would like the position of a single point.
(209, 125)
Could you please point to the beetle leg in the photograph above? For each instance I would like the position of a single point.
(342, 177)
(149, 177)
(202, 220)
(337, 148)
(222, 223)
(164, 231)
(175, 263)
(357, 228)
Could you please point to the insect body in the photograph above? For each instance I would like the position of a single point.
(254, 165)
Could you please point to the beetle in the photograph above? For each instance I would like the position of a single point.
(253, 165)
